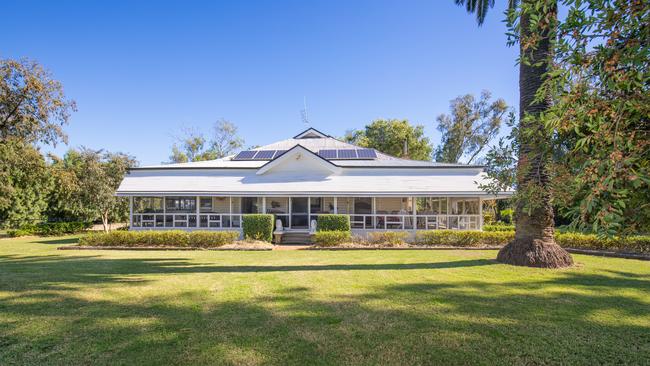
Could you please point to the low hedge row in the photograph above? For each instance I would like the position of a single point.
(637, 244)
(461, 238)
(50, 228)
(331, 238)
(258, 227)
(167, 238)
(498, 227)
(333, 222)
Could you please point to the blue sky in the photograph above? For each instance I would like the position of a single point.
(141, 71)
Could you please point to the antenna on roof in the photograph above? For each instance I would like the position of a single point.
(303, 112)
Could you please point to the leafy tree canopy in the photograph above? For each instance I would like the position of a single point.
(24, 184)
(33, 107)
(469, 128)
(222, 142)
(86, 182)
(393, 137)
(598, 124)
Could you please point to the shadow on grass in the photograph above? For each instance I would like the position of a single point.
(92, 268)
(452, 322)
(57, 241)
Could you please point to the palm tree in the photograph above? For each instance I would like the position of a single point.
(534, 244)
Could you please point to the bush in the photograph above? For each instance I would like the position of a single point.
(637, 244)
(507, 215)
(150, 238)
(331, 238)
(207, 239)
(258, 227)
(333, 222)
(498, 227)
(388, 238)
(463, 238)
(51, 228)
(18, 232)
(488, 218)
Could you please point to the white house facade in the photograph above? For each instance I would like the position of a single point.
(300, 178)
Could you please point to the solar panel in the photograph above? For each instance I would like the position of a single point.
(347, 154)
(327, 154)
(278, 153)
(244, 155)
(366, 154)
(264, 155)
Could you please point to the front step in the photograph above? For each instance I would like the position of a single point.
(295, 238)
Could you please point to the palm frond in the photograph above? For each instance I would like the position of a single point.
(479, 7)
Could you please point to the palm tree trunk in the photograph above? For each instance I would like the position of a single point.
(534, 244)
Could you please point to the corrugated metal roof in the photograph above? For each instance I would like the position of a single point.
(363, 182)
(315, 145)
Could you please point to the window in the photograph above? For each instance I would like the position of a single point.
(431, 205)
(251, 205)
(147, 204)
(464, 206)
(180, 204)
(394, 205)
(322, 205)
(356, 207)
(277, 205)
(214, 205)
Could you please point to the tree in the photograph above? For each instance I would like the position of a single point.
(470, 127)
(601, 115)
(393, 137)
(194, 146)
(225, 140)
(24, 184)
(90, 192)
(33, 107)
(533, 24)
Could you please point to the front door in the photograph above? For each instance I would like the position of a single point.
(299, 213)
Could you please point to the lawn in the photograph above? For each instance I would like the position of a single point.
(315, 307)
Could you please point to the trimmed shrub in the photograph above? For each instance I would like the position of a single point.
(388, 238)
(463, 238)
(150, 238)
(333, 222)
(498, 227)
(331, 238)
(210, 239)
(637, 244)
(258, 227)
(51, 228)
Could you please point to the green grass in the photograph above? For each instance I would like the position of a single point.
(315, 307)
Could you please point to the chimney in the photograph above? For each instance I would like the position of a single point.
(405, 149)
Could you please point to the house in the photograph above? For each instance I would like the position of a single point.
(302, 177)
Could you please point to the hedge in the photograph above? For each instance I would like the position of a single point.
(166, 238)
(331, 238)
(636, 244)
(333, 222)
(50, 228)
(389, 238)
(258, 227)
(498, 227)
(461, 238)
